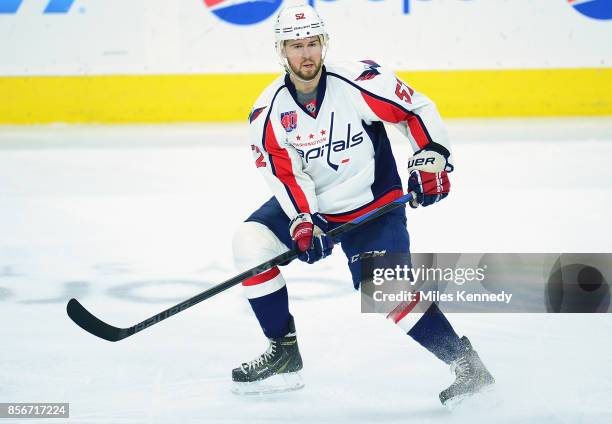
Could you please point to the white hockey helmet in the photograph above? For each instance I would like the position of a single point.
(295, 23)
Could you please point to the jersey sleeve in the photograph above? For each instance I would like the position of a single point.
(281, 165)
(391, 100)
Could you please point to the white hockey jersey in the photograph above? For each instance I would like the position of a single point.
(336, 159)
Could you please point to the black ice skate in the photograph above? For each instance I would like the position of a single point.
(471, 377)
(276, 370)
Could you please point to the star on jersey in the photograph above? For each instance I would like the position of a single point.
(323, 152)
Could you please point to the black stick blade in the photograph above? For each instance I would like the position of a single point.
(88, 322)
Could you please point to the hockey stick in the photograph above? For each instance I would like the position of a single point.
(90, 323)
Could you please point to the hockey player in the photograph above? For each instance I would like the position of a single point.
(318, 139)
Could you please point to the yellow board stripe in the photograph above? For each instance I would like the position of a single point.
(519, 93)
(227, 97)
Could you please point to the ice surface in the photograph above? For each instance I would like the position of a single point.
(134, 219)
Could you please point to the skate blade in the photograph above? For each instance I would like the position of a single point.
(279, 383)
(484, 398)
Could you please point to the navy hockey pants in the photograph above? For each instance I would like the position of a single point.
(387, 234)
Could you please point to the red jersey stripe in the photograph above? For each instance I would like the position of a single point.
(417, 129)
(389, 112)
(284, 169)
(389, 197)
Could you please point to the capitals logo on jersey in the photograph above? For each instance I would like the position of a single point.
(289, 120)
(336, 146)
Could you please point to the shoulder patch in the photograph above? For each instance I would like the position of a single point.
(370, 70)
(255, 113)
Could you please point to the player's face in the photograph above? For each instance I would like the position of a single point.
(304, 57)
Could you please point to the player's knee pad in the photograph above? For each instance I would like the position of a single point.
(254, 243)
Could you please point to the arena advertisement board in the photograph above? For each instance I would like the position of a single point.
(86, 37)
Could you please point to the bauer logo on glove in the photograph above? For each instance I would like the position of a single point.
(426, 181)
